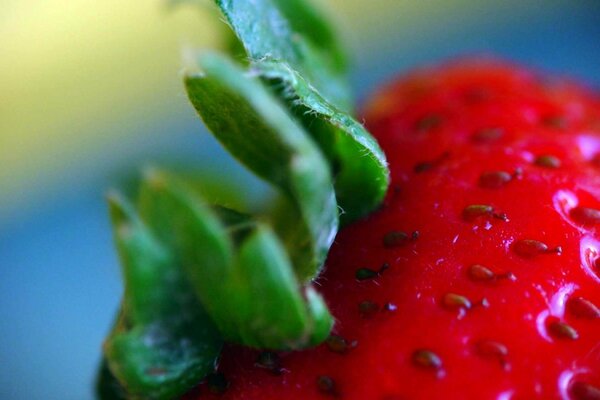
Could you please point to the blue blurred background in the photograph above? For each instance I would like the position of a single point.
(91, 91)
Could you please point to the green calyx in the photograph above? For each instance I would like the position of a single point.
(163, 339)
(197, 274)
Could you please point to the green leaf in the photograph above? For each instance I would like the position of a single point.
(198, 274)
(257, 130)
(361, 172)
(197, 238)
(277, 316)
(107, 386)
(292, 47)
(239, 268)
(266, 33)
(163, 341)
(310, 22)
(321, 318)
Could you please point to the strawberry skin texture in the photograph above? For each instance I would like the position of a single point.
(492, 290)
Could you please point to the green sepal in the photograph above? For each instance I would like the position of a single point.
(320, 316)
(278, 317)
(163, 341)
(238, 267)
(198, 274)
(360, 167)
(280, 30)
(291, 46)
(195, 234)
(309, 21)
(107, 386)
(253, 125)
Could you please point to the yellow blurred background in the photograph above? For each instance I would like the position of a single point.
(73, 70)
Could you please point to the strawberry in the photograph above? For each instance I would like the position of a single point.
(479, 276)
(468, 265)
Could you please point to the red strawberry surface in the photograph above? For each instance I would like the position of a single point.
(479, 277)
